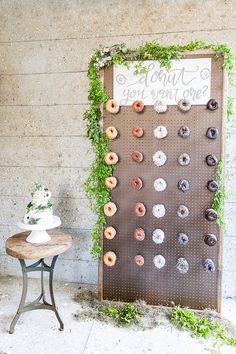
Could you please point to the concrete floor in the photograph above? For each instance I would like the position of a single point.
(37, 331)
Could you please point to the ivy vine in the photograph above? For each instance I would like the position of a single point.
(95, 187)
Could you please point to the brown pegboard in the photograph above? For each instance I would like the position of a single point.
(125, 281)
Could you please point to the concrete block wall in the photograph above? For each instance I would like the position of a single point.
(45, 46)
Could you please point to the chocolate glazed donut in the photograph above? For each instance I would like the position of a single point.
(211, 160)
(212, 104)
(212, 186)
(210, 240)
(136, 183)
(137, 156)
(210, 214)
(212, 133)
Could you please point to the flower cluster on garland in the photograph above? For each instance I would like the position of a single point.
(95, 187)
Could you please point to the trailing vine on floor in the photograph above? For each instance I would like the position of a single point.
(95, 187)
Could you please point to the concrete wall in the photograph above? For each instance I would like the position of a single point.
(45, 47)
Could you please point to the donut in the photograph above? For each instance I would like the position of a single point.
(184, 105)
(109, 258)
(159, 158)
(212, 104)
(212, 133)
(182, 265)
(110, 209)
(139, 234)
(109, 232)
(212, 186)
(208, 265)
(158, 210)
(182, 211)
(160, 184)
(138, 106)
(137, 132)
(139, 260)
(160, 107)
(136, 183)
(159, 261)
(139, 209)
(211, 160)
(112, 106)
(183, 185)
(111, 133)
(211, 214)
(160, 132)
(111, 158)
(111, 182)
(210, 240)
(183, 239)
(137, 156)
(184, 159)
(184, 131)
(158, 236)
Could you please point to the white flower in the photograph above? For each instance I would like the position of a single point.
(106, 50)
(38, 197)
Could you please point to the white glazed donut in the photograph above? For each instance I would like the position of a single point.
(158, 236)
(160, 132)
(112, 106)
(184, 159)
(182, 265)
(159, 261)
(182, 211)
(160, 184)
(159, 210)
(160, 107)
(159, 158)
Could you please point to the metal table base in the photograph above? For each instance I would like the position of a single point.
(40, 302)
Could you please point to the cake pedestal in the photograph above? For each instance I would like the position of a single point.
(39, 232)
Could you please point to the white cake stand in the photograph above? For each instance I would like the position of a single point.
(38, 232)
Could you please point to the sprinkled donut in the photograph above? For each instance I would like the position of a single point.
(212, 105)
(184, 159)
(111, 133)
(210, 240)
(212, 133)
(137, 132)
(160, 107)
(160, 132)
(182, 265)
(109, 258)
(112, 106)
(160, 184)
(184, 131)
(138, 106)
(137, 156)
(139, 209)
(111, 158)
(184, 105)
(136, 183)
(183, 239)
(139, 260)
(109, 232)
(212, 186)
(159, 261)
(183, 185)
(159, 158)
(208, 265)
(182, 211)
(111, 182)
(158, 210)
(158, 236)
(110, 209)
(211, 160)
(139, 234)
(211, 214)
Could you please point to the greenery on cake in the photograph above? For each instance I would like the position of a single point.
(95, 187)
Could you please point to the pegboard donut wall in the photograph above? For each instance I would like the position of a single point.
(126, 281)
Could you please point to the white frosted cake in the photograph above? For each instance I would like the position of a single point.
(39, 210)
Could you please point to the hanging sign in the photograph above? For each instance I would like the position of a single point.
(187, 78)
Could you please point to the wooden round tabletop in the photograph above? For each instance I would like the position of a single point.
(18, 247)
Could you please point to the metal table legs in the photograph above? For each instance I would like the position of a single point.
(39, 266)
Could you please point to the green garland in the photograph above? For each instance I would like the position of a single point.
(95, 187)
